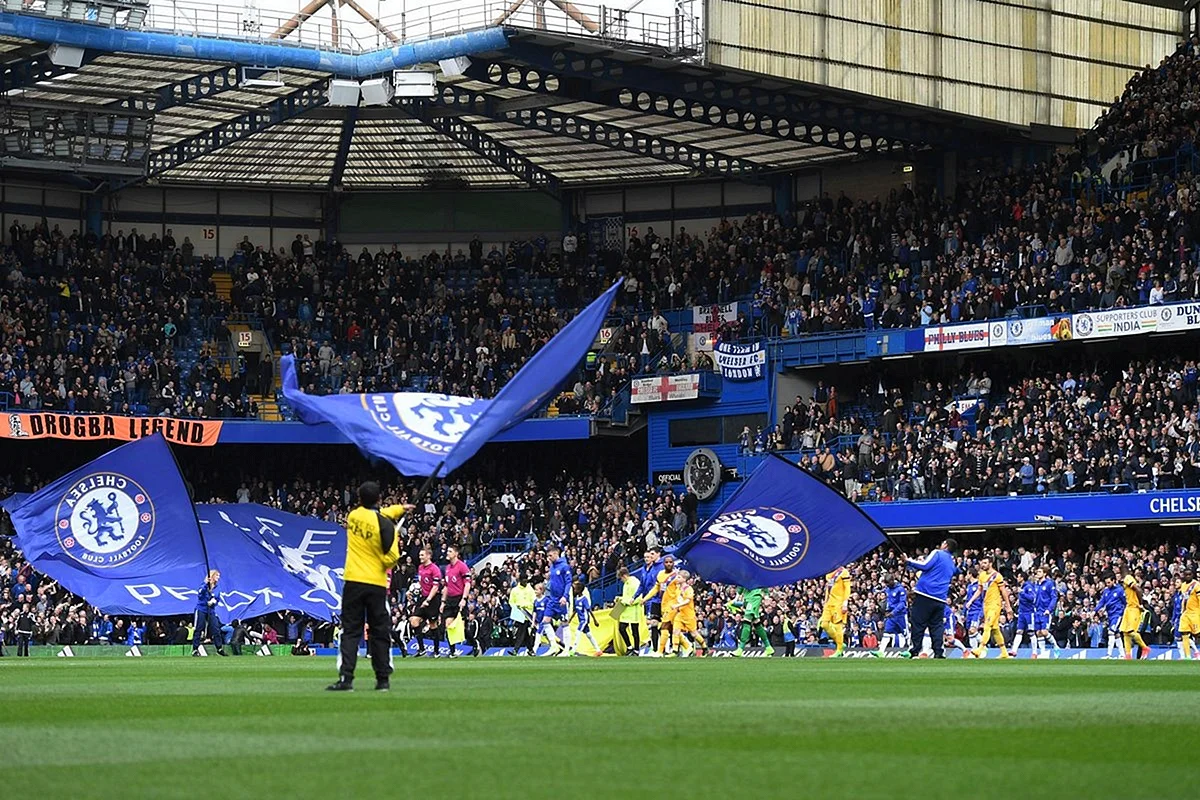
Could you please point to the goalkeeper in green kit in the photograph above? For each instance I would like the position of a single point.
(749, 603)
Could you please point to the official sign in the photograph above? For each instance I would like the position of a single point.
(706, 319)
(740, 362)
(87, 427)
(665, 388)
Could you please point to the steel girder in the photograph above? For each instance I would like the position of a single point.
(712, 100)
(30, 71)
(605, 134)
(486, 146)
(343, 152)
(281, 109)
(188, 90)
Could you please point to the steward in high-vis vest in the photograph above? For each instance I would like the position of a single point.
(372, 549)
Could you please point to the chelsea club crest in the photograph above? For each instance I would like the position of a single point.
(104, 520)
(771, 537)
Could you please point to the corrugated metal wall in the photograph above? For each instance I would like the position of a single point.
(1053, 62)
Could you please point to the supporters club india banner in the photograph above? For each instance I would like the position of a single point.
(89, 427)
(740, 362)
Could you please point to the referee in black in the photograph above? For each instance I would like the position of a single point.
(372, 550)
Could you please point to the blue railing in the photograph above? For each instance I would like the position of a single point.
(513, 545)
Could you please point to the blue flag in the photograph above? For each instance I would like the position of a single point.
(121, 534)
(416, 432)
(271, 560)
(122, 520)
(782, 525)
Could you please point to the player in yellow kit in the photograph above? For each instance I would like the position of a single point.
(995, 598)
(1131, 620)
(836, 611)
(684, 616)
(1189, 615)
(667, 587)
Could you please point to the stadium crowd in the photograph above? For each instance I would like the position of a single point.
(1049, 236)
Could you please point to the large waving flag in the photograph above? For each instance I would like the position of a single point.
(122, 521)
(424, 434)
(782, 525)
(121, 533)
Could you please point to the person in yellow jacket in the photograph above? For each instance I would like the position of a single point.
(1131, 620)
(520, 603)
(372, 549)
(630, 621)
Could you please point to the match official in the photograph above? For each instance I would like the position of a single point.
(372, 549)
(931, 595)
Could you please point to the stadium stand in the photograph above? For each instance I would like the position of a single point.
(123, 323)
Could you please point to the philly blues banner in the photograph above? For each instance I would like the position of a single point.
(740, 362)
(782, 525)
(420, 433)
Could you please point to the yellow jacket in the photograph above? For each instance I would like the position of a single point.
(367, 560)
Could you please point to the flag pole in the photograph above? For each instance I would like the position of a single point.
(192, 503)
(428, 484)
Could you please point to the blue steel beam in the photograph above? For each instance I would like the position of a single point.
(188, 90)
(487, 147)
(279, 110)
(28, 72)
(343, 151)
(717, 101)
(249, 53)
(574, 126)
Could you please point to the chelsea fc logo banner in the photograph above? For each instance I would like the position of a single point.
(740, 362)
(782, 525)
(121, 533)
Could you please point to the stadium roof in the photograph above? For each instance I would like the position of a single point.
(549, 110)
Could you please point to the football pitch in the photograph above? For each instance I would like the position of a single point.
(255, 727)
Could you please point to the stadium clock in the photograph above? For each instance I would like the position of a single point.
(702, 473)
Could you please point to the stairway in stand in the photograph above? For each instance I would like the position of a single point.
(268, 407)
(223, 282)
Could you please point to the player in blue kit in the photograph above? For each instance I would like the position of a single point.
(583, 620)
(543, 618)
(1043, 612)
(952, 638)
(895, 627)
(973, 613)
(558, 594)
(1026, 604)
(1111, 607)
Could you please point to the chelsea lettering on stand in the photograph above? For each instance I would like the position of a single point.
(1175, 505)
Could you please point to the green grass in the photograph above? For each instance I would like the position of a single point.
(626, 728)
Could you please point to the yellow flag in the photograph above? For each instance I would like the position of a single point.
(455, 633)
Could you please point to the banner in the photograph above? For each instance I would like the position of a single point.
(88, 427)
(1036, 330)
(781, 526)
(1175, 505)
(706, 319)
(1174, 318)
(665, 388)
(741, 362)
(420, 433)
(967, 336)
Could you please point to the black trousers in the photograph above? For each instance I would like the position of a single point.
(365, 602)
(23, 640)
(927, 614)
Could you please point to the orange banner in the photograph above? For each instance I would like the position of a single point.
(86, 427)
